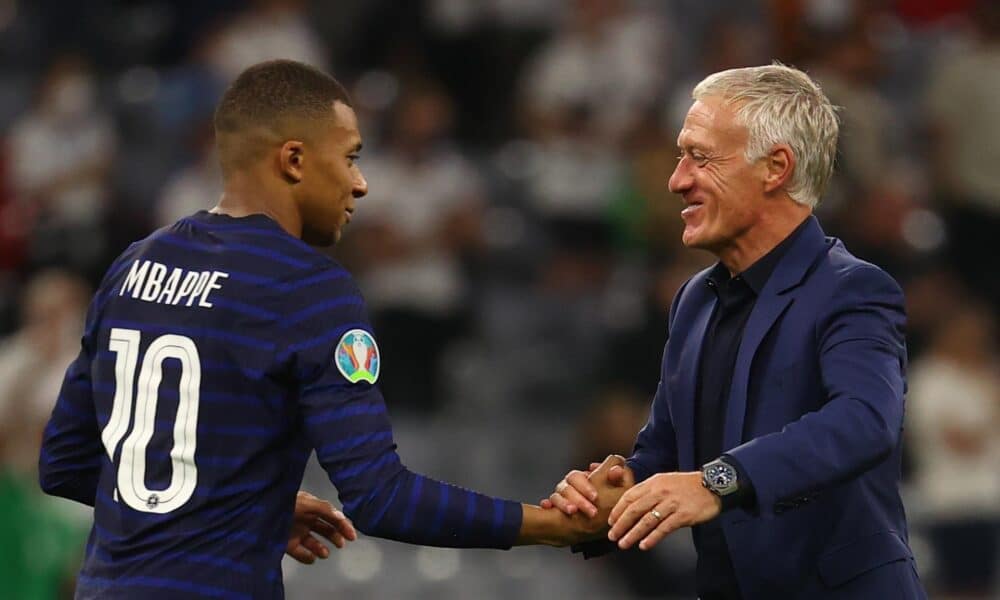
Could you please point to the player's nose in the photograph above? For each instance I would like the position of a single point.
(360, 186)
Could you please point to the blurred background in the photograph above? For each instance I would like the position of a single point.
(518, 248)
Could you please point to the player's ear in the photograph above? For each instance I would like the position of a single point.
(291, 160)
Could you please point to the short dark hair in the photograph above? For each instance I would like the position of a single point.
(269, 92)
(273, 98)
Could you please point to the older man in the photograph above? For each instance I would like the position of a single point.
(775, 431)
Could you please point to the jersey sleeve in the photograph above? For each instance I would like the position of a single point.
(70, 460)
(333, 353)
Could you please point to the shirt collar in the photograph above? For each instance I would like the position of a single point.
(757, 274)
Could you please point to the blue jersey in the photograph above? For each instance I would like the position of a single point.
(218, 354)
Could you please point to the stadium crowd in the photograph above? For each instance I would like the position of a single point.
(518, 247)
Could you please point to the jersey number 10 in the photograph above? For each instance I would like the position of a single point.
(132, 465)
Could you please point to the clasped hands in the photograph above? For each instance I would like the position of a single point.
(644, 513)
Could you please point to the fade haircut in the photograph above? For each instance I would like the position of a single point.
(782, 105)
(272, 100)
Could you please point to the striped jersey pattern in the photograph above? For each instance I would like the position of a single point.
(206, 377)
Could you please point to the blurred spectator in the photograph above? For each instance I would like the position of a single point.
(572, 171)
(420, 220)
(269, 29)
(32, 361)
(608, 60)
(886, 224)
(43, 536)
(954, 420)
(643, 212)
(635, 351)
(848, 66)
(196, 187)
(729, 42)
(964, 112)
(61, 152)
(933, 292)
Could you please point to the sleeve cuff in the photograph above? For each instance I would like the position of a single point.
(640, 472)
(746, 496)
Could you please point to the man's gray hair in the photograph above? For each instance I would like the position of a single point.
(779, 104)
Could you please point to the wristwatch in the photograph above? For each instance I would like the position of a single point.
(720, 478)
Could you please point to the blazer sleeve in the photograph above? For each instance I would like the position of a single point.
(862, 361)
(656, 445)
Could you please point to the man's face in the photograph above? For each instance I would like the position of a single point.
(332, 179)
(723, 194)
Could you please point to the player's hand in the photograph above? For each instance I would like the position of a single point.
(577, 492)
(611, 479)
(313, 515)
(679, 499)
(553, 528)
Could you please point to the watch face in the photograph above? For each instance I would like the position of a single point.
(720, 476)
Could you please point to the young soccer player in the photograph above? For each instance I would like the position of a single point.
(222, 350)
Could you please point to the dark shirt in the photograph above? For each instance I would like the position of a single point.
(737, 296)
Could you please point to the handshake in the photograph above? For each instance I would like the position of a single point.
(602, 503)
(606, 500)
(566, 517)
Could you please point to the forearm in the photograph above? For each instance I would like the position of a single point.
(549, 527)
(656, 444)
(818, 451)
(411, 508)
(539, 526)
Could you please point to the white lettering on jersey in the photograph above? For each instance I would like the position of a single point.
(145, 281)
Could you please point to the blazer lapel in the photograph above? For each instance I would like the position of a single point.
(774, 299)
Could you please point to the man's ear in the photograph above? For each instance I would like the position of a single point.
(779, 165)
(291, 159)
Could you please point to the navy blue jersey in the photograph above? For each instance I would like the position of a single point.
(218, 354)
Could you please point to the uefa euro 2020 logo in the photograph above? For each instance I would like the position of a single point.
(357, 356)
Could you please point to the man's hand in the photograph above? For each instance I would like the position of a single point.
(678, 499)
(551, 527)
(577, 492)
(313, 515)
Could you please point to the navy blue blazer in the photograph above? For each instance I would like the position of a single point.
(814, 418)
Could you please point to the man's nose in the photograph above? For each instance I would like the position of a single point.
(680, 180)
(360, 186)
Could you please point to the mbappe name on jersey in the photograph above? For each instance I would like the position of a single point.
(151, 281)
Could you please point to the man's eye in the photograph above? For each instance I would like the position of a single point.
(697, 157)
(354, 157)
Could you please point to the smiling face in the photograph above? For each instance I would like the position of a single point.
(331, 180)
(723, 194)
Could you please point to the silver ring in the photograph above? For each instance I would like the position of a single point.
(656, 514)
